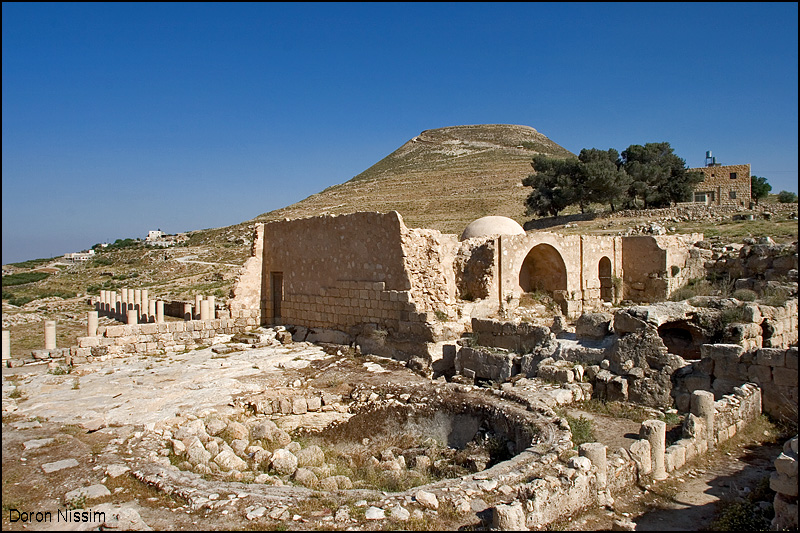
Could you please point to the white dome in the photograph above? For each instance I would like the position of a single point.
(492, 225)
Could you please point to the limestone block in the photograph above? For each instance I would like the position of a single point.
(721, 351)
(677, 456)
(791, 358)
(88, 342)
(299, 406)
(690, 448)
(784, 377)
(640, 453)
(227, 460)
(427, 499)
(314, 403)
(759, 374)
(617, 389)
(509, 517)
(114, 331)
(284, 462)
(786, 465)
(771, 357)
(783, 484)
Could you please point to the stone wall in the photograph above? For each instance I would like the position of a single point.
(723, 367)
(719, 186)
(159, 338)
(350, 273)
(519, 337)
(758, 260)
(654, 267)
(576, 481)
(428, 257)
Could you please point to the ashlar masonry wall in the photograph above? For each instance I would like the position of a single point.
(656, 266)
(348, 273)
(164, 337)
(724, 185)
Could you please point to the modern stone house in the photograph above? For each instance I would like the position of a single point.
(723, 185)
(366, 277)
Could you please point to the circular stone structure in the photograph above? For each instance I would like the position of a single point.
(492, 225)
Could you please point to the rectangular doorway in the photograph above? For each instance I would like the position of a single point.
(277, 295)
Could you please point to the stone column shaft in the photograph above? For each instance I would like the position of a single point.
(49, 334)
(212, 307)
(655, 431)
(187, 312)
(596, 453)
(6, 344)
(151, 310)
(132, 316)
(197, 299)
(92, 320)
(702, 405)
(204, 312)
(160, 311)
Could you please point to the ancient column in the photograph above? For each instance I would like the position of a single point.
(6, 345)
(131, 299)
(49, 334)
(655, 432)
(702, 406)
(151, 310)
(145, 309)
(596, 453)
(92, 319)
(212, 307)
(160, 311)
(132, 316)
(197, 299)
(187, 311)
(204, 313)
(137, 301)
(102, 302)
(114, 304)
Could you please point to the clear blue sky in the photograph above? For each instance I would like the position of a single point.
(121, 118)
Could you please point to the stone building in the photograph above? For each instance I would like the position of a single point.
(366, 277)
(723, 185)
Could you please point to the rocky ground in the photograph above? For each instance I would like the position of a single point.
(93, 441)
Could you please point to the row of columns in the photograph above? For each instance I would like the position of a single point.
(120, 306)
(129, 306)
(132, 306)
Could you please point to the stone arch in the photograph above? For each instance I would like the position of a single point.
(606, 281)
(544, 269)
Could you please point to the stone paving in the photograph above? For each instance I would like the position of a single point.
(144, 390)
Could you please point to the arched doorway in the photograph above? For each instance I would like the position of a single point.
(606, 283)
(543, 269)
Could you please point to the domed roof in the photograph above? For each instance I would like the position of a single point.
(492, 225)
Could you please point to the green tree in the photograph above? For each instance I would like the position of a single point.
(603, 178)
(786, 197)
(554, 185)
(658, 176)
(759, 188)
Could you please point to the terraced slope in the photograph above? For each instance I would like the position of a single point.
(441, 179)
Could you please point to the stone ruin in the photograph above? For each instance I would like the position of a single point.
(366, 278)
(446, 307)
